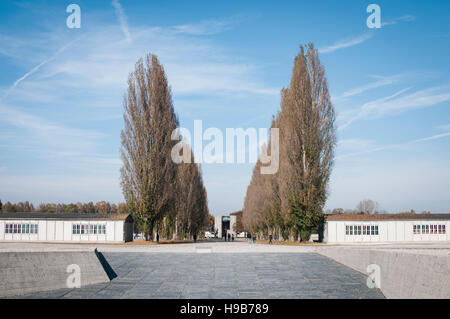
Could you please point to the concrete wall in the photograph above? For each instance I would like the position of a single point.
(61, 231)
(403, 275)
(27, 272)
(388, 231)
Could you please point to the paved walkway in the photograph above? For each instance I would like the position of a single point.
(224, 275)
(217, 246)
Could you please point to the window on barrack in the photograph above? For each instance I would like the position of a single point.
(88, 229)
(21, 228)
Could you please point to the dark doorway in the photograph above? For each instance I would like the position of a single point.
(225, 225)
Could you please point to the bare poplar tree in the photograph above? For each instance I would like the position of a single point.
(307, 134)
(252, 216)
(191, 204)
(367, 206)
(148, 172)
(272, 200)
(291, 201)
(261, 212)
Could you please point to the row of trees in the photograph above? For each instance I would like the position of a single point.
(366, 206)
(101, 207)
(18, 207)
(290, 202)
(165, 197)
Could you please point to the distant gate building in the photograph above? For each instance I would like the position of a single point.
(224, 225)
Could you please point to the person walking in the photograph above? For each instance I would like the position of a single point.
(270, 239)
(274, 239)
(249, 237)
(195, 238)
(229, 236)
(254, 238)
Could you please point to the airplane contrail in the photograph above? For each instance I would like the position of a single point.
(122, 19)
(37, 67)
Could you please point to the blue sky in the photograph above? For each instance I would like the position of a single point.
(61, 91)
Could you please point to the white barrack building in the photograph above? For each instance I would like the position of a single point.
(62, 227)
(362, 228)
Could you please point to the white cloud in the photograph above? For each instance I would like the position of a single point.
(99, 63)
(380, 82)
(11, 46)
(399, 103)
(430, 138)
(213, 77)
(54, 136)
(405, 18)
(355, 144)
(373, 150)
(346, 43)
(91, 75)
(35, 48)
(122, 20)
(444, 127)
(37, 67)
(392, 146)
(208, 27)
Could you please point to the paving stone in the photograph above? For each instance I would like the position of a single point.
(224, 275)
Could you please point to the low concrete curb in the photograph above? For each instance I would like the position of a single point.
(402, 274)
(27, 272)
